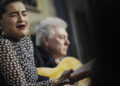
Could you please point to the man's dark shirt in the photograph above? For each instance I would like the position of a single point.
(43, 58)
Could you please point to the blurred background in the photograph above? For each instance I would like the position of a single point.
(91, 26)
(81, 23)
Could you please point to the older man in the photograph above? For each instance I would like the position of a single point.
(52, 41)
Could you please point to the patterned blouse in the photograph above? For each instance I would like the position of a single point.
(17, 63)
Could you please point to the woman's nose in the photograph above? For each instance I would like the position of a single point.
(21, 18)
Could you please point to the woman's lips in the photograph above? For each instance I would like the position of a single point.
(21, 27)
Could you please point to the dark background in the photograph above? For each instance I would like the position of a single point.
(106, 18)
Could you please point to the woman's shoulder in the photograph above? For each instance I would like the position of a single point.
(26, 41)
(5, 44)
(4, 40)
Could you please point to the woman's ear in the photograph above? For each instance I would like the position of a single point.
(0, 25)
(45, 41)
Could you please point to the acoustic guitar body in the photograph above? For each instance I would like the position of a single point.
(66, 64)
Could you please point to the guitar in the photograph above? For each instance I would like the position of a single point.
(66, 64)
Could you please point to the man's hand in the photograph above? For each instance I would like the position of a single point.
(68, 77)
(78, 76)
(64, 79)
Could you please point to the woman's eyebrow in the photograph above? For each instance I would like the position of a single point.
(15, 12)
(25, 11)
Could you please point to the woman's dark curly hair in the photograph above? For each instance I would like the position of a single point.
(3, 4)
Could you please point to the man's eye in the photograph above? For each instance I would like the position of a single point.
(62, 37)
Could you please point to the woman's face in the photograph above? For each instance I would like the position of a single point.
(15, 20)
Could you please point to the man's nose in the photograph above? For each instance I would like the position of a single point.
(67, 42)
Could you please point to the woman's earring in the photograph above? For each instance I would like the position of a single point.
(0, 27)
(1, 30)
(46, 45)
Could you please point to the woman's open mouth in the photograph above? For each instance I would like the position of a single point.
(21, 27)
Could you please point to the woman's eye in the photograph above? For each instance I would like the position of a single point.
(13, 15)
(24, 14)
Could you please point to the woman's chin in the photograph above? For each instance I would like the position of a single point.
(20, 36)
(24, 33)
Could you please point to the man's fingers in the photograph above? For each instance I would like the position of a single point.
(67, 73)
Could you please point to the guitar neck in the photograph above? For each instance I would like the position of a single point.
(88, 67)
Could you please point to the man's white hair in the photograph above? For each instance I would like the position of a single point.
(45, 28)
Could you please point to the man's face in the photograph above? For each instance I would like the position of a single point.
(58, 44)
(15, 20)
